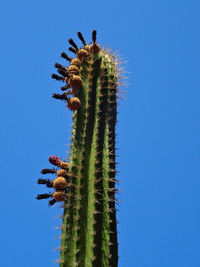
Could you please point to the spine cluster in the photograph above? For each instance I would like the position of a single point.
(87, 183)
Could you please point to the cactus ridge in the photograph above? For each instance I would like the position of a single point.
(87, 183)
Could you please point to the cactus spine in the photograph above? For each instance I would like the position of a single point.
(89, 231)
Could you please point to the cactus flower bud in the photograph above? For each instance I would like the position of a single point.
(87, 48)
(54, 160)
(95, 48)
(62, 172)
(76, 62)
(64, 165)
(74, 103)
(73, 69)
(76, 82)
(59, 196)
(82, 54)
(59, 183)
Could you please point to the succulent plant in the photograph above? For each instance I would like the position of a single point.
(87, 182)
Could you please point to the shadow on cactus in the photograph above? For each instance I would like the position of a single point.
(86, 184)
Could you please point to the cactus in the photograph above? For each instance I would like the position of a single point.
(87, 183)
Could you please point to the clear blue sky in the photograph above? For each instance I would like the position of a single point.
(158, 129)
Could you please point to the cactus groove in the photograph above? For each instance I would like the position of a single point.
(89, 228)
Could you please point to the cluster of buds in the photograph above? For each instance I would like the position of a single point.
(60, 183)
(71, 75)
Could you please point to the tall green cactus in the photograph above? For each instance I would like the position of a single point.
(89, 230)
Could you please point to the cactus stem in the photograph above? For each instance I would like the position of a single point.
(86, 185)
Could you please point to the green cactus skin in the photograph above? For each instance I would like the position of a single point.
(89, 228)
(89, 234)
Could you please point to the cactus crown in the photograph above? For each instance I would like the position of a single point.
(87, 186)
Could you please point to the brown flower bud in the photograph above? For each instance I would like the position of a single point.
(73, 69)
(94, 48)
(59, 196)
(76, 61)
(82, 54)
(87, 48)
(64, 165)
(76, 82)
(62, 172)
(59, 183)
(74, 103)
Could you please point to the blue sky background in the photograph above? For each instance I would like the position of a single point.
(158, 129)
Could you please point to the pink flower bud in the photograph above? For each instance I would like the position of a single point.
(55, 160)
